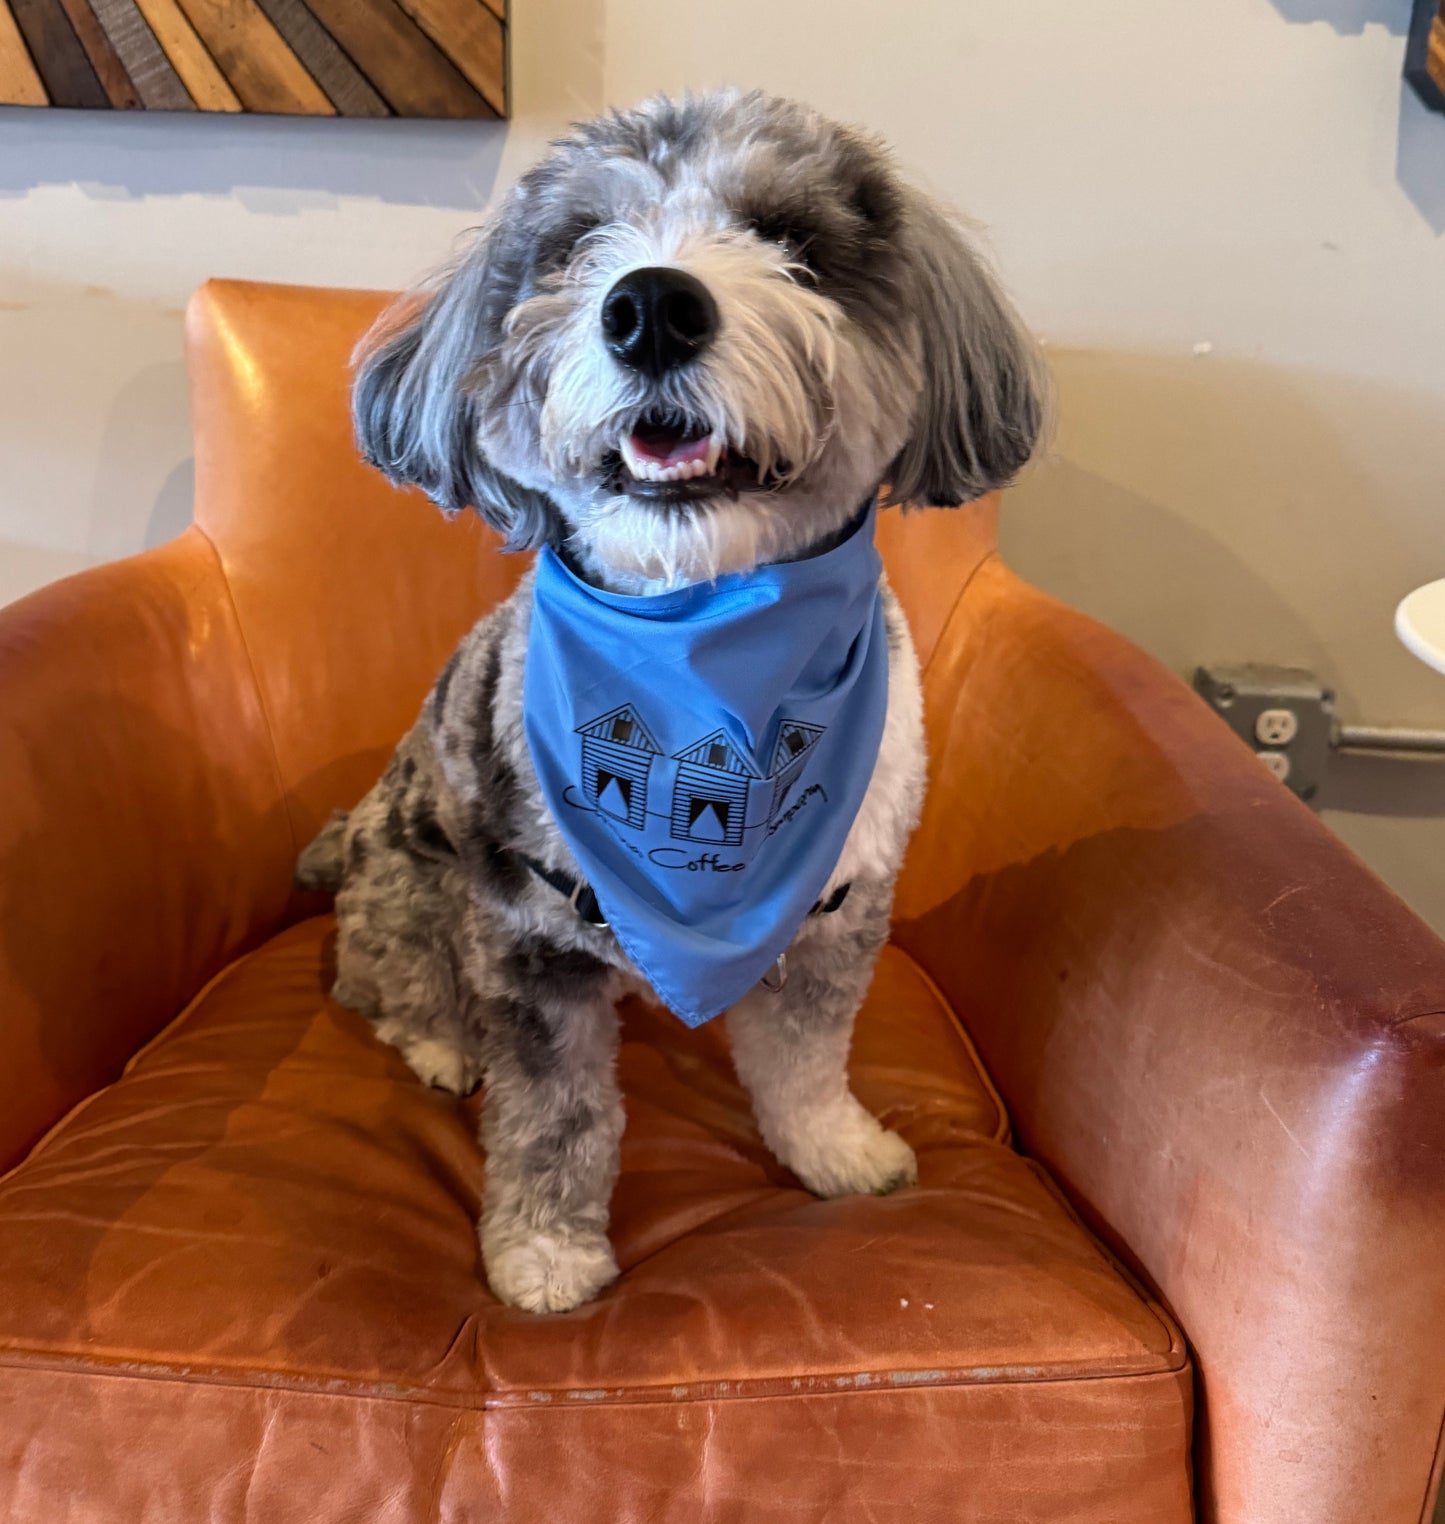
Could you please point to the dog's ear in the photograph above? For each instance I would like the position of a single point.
(981, 408)
(414, 414)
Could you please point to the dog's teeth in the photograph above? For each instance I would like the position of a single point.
(642, 468)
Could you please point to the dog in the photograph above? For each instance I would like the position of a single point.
(690, 342)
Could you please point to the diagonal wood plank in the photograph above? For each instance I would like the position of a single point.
(69, 78)
(254, 57)
(188, 56)
(418, 58)
(346, 86)
(471, 36)
(413, 76)
(20, 84)
(109, 70)
(156, 82)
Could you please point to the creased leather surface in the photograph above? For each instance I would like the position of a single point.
(1221, 1033)
(266, 1230)
(981, 1454)
(142, 839)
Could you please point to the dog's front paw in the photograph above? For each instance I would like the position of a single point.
(443, 1066)
(851, 1154)
(435, 1061)
(548, 1272)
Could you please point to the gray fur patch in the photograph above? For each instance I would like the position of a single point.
(321, 864)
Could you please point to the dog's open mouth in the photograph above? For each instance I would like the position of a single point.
(663, 450)
(670, 458)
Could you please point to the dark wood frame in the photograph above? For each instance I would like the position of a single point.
(1425, 53)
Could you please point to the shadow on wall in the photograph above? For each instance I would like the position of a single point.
(274, 165)
(1420, 144)
(1349, 15)
(174, 504)
(141, 498)
(1395, 786)
(1420, 159)
(1221, 511)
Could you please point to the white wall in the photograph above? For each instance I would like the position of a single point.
(1153, 175)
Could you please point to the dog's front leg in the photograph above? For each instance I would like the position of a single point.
(790, 1048)
(551, 1126)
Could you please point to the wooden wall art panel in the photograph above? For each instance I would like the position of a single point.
(427, 58)
(1425, 52)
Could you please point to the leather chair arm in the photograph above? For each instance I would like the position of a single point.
(1222, 1034)
(143, 843)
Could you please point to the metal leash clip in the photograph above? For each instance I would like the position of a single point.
(779, 970)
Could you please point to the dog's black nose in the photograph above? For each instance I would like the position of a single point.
(657, 318)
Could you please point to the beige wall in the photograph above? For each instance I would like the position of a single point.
(1153, 176)
(1228, 510)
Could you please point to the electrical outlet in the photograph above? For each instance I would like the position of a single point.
(1282, 713)
(1276, 727)
(1277, 763)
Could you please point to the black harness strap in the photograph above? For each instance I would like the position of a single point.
(580, 895)
(833, 902)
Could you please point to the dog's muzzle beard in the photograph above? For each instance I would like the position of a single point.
(658, 322)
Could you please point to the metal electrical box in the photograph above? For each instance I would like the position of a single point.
(1281, 712)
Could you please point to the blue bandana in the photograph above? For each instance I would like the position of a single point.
(705, 751)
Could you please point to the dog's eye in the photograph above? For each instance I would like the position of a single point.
(560, 243)
(790, 234)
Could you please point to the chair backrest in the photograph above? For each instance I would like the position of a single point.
(351, 594)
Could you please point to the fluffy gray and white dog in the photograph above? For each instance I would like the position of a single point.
(692, 340)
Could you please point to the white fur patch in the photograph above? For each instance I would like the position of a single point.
(890, 808)
(547, 1271)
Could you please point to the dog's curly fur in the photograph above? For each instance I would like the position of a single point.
(858, 339)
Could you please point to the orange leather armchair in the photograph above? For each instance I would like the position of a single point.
(1170, 1057)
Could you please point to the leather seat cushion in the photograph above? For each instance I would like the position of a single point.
(268, 1218)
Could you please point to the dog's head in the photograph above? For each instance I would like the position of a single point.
(695, 338)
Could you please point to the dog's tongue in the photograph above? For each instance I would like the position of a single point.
(669, 447)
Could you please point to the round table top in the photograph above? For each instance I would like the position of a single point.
(1420, 623)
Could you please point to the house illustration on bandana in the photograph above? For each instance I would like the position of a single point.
(790, 757)
(710, 796)
(617, 753)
